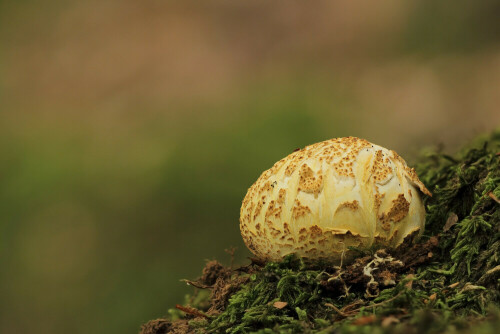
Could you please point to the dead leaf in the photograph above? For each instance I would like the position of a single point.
(364, 320)
(432, 297)
(469, 287)
(493, 197)
(389, 321)
(409, 285)
(280, 305)
(434, 241)
(452, 220)
(429, 255)
(388, 278)
(454, 285)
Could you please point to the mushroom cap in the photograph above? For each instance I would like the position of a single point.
(328, 196)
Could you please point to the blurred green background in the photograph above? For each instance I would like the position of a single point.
(130, 130)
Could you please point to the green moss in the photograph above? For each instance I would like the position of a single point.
(454, 287)
(462, 185)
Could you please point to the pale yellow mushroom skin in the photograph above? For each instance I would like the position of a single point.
(322, 199)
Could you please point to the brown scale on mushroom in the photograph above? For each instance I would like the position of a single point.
(300, 210)
(399, 209)
(380, 169)
(281, 196)
(265, 188)
(286, 227)
(412, 175)
(308, 182)
(331, 195)
(378, 199)
(354, 205)
(315, 231)
(259, 206)
(275, 232)
(272, 210)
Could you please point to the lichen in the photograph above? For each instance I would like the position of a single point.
(448, 281)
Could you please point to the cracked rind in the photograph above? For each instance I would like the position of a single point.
(322, 199)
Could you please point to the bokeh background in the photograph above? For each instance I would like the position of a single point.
(131, 130)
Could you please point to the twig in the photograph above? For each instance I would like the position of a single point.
(196, 284)
(385, 301)
(231, 252)
(493, 197)
(347, 314)
(191, 310)
(336, 309)
(353, 304)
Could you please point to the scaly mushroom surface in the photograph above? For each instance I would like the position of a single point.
(322, 199)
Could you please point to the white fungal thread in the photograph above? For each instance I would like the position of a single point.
(371, 267)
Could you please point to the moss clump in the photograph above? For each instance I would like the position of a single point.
(448, 281)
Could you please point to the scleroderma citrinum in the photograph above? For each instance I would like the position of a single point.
(322, 199)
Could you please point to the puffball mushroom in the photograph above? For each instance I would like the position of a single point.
(322, 199)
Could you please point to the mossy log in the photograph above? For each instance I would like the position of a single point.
(447, 281)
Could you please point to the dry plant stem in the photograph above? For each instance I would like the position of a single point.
(336, 309)
(196, 284)
(191, 310)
